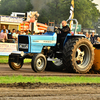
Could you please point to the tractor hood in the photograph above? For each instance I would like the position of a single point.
(35, 43)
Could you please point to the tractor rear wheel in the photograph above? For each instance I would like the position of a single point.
(78, 55)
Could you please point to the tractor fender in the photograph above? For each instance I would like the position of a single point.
(69, 36)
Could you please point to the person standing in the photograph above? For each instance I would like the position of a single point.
(79, 32)
(3, 36)
(17, 33)
(13, 34)
(9, 34)
(4, 27)
(20, 33)
(27, 32)
(98, 40)
(92, 38)
(87, 35)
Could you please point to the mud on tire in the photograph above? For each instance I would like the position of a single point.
(78, 55)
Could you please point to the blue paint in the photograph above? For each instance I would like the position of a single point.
(69, 36)
(37, 42)
(47, 38)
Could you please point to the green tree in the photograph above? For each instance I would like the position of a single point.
(28, 6)
(85, 12)
(55, 11)
(9, 6)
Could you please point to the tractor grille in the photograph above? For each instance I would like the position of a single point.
(23, 41)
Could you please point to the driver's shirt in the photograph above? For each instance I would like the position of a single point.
(64, 31)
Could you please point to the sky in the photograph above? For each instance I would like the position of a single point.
(97, 2)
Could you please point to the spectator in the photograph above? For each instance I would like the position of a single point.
(98, 40)
(3, 36)
(13, 33)
(92, 38)
(37, 34)
(9, 32)
(45, 31)
(27, 32)
(14, 36)
(87, 35)
(33, 32)
(79, 32)
(4, 27)
(20, 32)
(17, 33)
(23, 33)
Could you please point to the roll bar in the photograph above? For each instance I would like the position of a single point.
(75, 22)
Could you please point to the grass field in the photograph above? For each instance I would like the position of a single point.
(4, 59)
(68, 80)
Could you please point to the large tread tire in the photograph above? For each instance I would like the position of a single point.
(69, 54)
(15, 66)
(38, 63)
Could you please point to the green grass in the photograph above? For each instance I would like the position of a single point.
(4, 59)
(68, 80)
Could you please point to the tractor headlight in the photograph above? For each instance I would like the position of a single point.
(23, 46)
(22, 53)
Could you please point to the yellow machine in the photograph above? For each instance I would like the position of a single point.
(96, 64)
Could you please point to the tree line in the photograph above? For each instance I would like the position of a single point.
(85, 10)
(9, 6)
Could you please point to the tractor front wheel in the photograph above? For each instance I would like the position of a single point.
(38, 63)
(15, 66)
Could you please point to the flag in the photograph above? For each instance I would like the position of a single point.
(71, 14)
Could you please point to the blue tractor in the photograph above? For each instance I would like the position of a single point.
(77, 54)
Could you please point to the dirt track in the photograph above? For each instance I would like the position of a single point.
(40, 91)
(26, 70)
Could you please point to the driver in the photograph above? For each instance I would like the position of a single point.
(65, 29)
